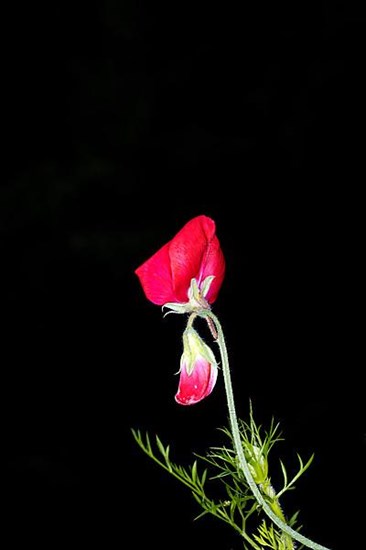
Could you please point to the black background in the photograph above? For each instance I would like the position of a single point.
(120, 122)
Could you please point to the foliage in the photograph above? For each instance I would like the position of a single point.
(218, 472)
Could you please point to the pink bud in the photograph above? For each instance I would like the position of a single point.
(198, 369)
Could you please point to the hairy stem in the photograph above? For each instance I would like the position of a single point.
(207, 314)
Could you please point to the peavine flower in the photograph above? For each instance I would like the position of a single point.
(187, 272)
(198, 369)
(185, 275)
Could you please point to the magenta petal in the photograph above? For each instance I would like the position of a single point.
(156, 278)
(213, 264)
(195, 253)
(199, 384)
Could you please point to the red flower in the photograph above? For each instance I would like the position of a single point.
(198, 369)
(194, 253)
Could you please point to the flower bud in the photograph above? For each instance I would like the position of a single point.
(198, 369)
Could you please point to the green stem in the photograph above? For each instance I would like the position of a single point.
(238, 445)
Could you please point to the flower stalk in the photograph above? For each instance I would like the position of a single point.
(275, 515)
